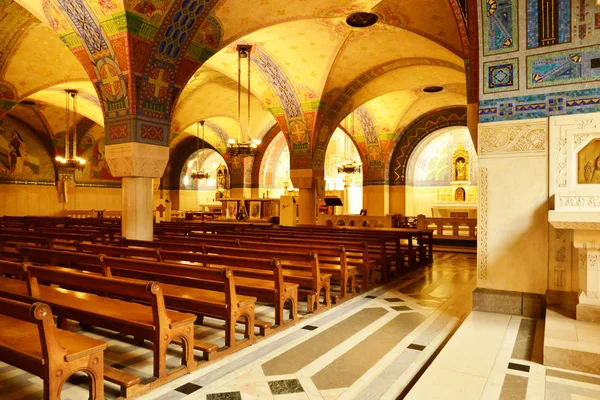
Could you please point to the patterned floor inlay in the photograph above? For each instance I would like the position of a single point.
(188, 388)
(518, 367)
(225, 396)
(402, 308)
(300, 356)
(367, 348)
(286, 386)
(310, 327)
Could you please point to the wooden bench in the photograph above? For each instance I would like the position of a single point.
(261, 279)
(357, 252)
(202, 291)
(29, 341)
(202, 302)
(308, 279)
(154, 322)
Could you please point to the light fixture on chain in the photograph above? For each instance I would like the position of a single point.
(239, 148)
(70, 161)
(349, 167)
(199, 173)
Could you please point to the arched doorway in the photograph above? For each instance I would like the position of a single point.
(200, 192)
(349, 187)
(274, 176)
(437, 183)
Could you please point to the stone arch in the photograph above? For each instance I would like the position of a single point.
(407, 141)
(179, 154)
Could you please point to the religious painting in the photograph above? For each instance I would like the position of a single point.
(232, 208)
(255, 209)
(459, 194)
(96, 168)
(23, 155)
(588, 163)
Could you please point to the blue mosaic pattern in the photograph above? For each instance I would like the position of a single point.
(85, 24)
(540, 105)
(563, 67)
(501, 76)
(564, 22)
(500, 25)
(281, 85)
(183, 22)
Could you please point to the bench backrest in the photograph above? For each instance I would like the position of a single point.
(119, 251)
(41, 315)
(161, 269)
(12, 268)
(81, 261)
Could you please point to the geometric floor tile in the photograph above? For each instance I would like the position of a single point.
(286, 386)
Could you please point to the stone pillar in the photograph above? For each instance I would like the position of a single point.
(136, 214)
(512, 240)
(376, 199)
(137, 163)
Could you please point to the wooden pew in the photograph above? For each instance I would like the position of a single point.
(219, 293)
(256, 288)
(202, 291)
(293, 259)
(357, 252)
(198, 279)
(307, 274)
(29, 341)
(154, 322)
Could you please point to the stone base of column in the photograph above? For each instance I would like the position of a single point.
(508, 302)
(587, 313)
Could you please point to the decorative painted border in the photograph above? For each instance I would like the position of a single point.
(485, 19)
(580, 58)
(540, 105)
(488, 69)
(482, 225)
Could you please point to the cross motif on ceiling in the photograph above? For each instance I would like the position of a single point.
(110, 79)
(158, 82)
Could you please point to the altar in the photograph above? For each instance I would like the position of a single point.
(460, 200)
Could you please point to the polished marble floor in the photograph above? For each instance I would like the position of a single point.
(375, 346)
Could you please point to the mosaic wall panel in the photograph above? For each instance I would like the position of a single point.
(501, 76)
(548, 22)
(564, 67)
(500, 26)
(540, 105)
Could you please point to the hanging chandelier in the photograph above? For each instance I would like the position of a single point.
(239, 148)
(199, 173)
(349, 167)
(70, 161)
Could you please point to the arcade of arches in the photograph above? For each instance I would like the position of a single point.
(447, 102)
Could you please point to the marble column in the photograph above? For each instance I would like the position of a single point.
(137, 163)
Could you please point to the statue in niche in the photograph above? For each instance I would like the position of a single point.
(460, 170)
(591, 171)
(588, 163)
(460, 194)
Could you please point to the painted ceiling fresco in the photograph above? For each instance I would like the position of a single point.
(310, 69)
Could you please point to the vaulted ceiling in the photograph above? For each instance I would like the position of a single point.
(306, 58)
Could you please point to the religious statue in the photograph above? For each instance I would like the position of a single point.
(460, 170)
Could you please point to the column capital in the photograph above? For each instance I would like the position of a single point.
(136, 159)
(303, 178)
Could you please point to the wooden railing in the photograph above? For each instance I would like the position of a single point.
(356, 220)
(447, 228)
